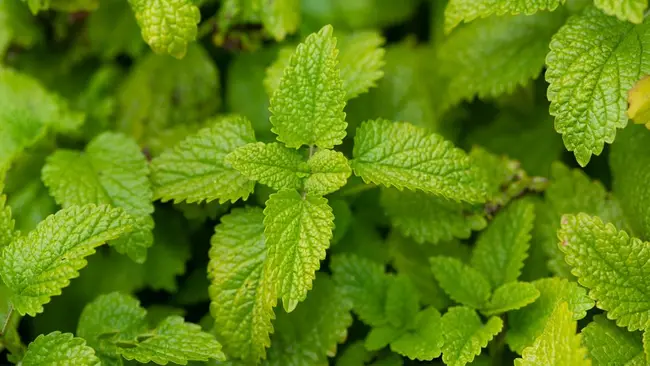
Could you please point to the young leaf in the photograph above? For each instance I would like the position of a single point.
(493, 56)
(363, 282)
(195, 170)
(271, 164)
(610, 345)
(242, 298)
(308, 105)
(167, 25)
(461, 282)
(527, 323)
(298, 231)
(628, 10)
(38, 265)
(425, 341)
(111, 171)
(511, 296)
(465, 335)
(558, 344)
(59, 348)
(361, 60)
(328, 171)
(588, 90)
(501, 249)
(458, 11)
(411, 212)
(402, 155)
(612, 265)
(309, 334)
(175, 341)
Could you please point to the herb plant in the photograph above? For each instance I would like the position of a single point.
(347, 182)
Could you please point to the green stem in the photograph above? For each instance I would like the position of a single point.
(10, 312)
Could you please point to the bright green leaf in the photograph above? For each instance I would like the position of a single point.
(511, 296)
(59, 348)
(328, 171)
(361, 60)
(629, 10)
(461, 282)
(425, 341)
(465, 335)
(610, 345)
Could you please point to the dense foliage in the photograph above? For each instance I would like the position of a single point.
(312, 182)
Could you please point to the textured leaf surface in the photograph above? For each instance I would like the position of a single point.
(461, 282)
(309, 334)
(329, 170)
(242, 298)
(7, 223)
(36, 266)
(361, 61)
(195, 170)
(501, 249)
(307, 107)
(612, 345)
(363, 282)
(271, 164)
(59, 348)
(167, 25)
(402, 155)
(511, 296)
(465, 335)
(612, 265)
(298, 231)
(494, 56)
(413, 212)
(526, 324)
(630, 10)
(425, 341)
(558, 344)
(588, 90)
(111, 171)
(458, 11)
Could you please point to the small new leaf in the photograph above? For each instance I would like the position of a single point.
(405, 156)
(298, 231)
(328, 171)
(59, 348)
(465, 335)
(461, 282)
(167, 25)
(558, 344)
(38, 265)
(195, 170)
(511, 296)
(242, 298)
(612, 265)
(307, 107)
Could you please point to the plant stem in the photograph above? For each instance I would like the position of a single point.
(10, 312)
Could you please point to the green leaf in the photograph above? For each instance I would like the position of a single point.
(526, 324)
(588, 90)
(328, 171)
(59, 348)
(271, 164)
(7, 223)
(175, 341)
(111, 171)
(611, 345)
(195, 170)
(458, 11)
(163, 100)
(510, 296)
(307, 107)
(465, 335)
(637, 100)
(17, 26)
(646, 346)
(461, 282)
(112, 30)
(501, 249)
(167, 25)
(242, 298)
(363, 282)
(558, 344)
(279, 18)
(402, 155)
(612, 265)
(361, 60)
(275, 71)
(402, 302)
(27, 112)
(628, 10)
(425, 342)
(627, 161)
(493, 56)
(380, 337)
(298, 231)
(309, 334)
(411, 212)
(36, 266)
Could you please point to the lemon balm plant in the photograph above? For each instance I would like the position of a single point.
(309, 182)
